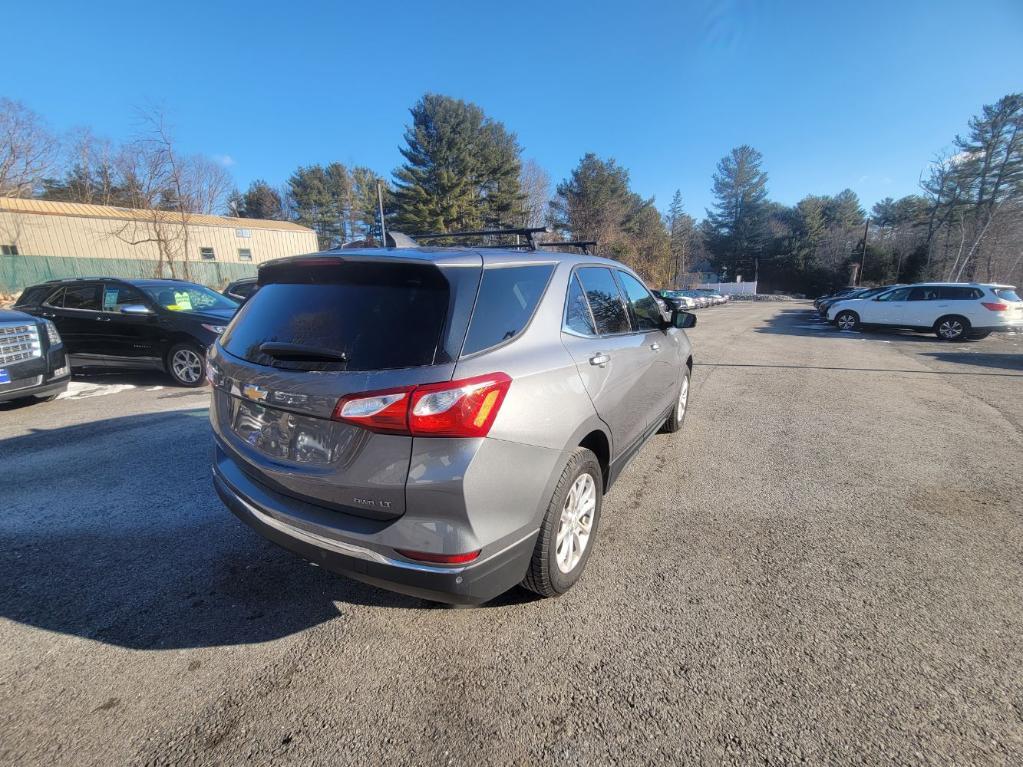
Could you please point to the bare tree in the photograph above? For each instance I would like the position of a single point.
(172, 188)
(535, 184)
(28, 150)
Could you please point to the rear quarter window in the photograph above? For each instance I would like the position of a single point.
(1006, 294)
(508, 297)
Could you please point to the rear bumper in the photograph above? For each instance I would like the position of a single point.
(469, 584)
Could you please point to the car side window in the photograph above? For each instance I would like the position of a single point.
(954, 293)
(117, 296)
(646, 314)
(507, 298)
(926, 293)
(56, 300)
(895, 295)
(578, 318)
(605, 300)
(82, 297)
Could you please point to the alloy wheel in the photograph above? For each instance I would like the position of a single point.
(576, 523)
(187, 366)
(951, 329)
(683, 399)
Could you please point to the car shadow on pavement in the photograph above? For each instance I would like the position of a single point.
(112, 531)
(1003, 361)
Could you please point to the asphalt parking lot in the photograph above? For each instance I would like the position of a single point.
(824, 566)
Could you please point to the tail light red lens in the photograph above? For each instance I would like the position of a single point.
(439, 559)
(463, 408)
(994, 307)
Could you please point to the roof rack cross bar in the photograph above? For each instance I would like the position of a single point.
(583, 245)
(527, 232)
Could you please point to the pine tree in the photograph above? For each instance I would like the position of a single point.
(737, 227)
(681, 230)
(461, 169)
(314, 204)
(260, 201)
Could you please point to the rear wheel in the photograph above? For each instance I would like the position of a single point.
(569, 527)
(952, 328)
(186, 364)
(678, 413)
(847, 320)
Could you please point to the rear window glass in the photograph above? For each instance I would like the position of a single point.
(350, 316)
(507, 299)
(1006, 294)
(605, 300)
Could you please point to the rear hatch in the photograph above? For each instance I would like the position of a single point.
(321, 328)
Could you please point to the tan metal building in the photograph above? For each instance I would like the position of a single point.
(43, 228)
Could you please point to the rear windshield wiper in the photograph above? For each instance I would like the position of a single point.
(301, 352)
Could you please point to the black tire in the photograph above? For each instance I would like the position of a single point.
(544, 576)
(191, 375)
(677, 418)
(978, 335)
(48, 397)
(952, 327)
(847, 320)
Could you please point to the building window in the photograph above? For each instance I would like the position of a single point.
(207, 254)
(246, 233)
(9, 250)
(244, 254)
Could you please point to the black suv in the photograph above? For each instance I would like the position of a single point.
(32, 360)
(133, 324)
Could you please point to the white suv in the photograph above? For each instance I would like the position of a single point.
(952, 310)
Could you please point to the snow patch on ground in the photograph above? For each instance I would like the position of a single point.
(81, 390)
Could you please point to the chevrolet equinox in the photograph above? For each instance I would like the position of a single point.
(442, 422)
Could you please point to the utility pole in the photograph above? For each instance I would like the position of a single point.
(383, 226)
(863, 260)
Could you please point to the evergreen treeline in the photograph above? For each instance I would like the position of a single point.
(463, 170)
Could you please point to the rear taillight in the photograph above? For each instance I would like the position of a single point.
(994, 307)
(439, 559)
(383, 411)
(463, 408)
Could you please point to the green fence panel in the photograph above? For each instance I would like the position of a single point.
(18, 272)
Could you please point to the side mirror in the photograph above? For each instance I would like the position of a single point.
(682, 319)
(136, 309)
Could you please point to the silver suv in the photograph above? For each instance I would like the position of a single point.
(442, 422)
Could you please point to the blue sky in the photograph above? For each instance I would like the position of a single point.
(835, 95)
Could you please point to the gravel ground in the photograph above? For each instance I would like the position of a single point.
(824, 566)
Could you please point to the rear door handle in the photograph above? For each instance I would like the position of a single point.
(600, 359)
(102, 319)
(655, 346)
(49, 314)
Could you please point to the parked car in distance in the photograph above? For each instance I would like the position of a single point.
(442, 422)
(716, 298)
(241, 290)
(133, 324)
(826, 303)
(836, 294)
(676, 299)
(32, 359)
(953, 311)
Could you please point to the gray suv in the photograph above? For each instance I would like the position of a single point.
(442, 422)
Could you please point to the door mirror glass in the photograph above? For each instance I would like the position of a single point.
(683, 320)
(136, 309)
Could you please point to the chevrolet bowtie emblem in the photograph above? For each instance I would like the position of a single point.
(255, 393)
